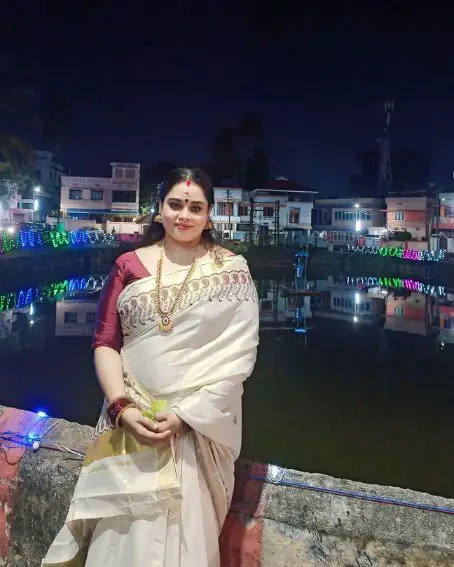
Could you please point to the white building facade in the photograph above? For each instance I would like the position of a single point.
(344, 219)
(15, 210)
(282, 205)
(103, 199)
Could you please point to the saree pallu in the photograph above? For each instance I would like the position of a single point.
(164, 506)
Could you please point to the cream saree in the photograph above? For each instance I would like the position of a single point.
(164, 506)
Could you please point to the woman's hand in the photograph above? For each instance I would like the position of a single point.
(143, 429)
(169, 422)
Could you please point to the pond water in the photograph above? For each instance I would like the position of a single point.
(354, 380)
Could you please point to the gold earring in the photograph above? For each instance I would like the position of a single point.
(157, 218)
(209, 225)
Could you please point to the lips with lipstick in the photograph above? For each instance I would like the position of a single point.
(183, 226)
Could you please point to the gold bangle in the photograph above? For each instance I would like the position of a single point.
(121, 412)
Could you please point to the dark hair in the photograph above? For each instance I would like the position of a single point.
(155, 232)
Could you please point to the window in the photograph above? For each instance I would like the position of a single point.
(130, 173)
(123, 196)
(399, 215)
(118, 173)
(70, 317)
(243, 210)
(268, 212)
(75, 194)
(398, 311)
(90, 317)
(224, 209)
(294, 216)
(97, 195)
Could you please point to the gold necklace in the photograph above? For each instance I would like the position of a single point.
(166, 322)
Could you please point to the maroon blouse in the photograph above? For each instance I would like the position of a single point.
(127, 269)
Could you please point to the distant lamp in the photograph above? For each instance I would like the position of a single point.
(35, 205)
(41, 413)
(356, 205)
(37, 189)
(358, 226)
(11, 230)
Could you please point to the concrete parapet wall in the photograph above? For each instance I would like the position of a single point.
(270, 524)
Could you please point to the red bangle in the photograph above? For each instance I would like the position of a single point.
(116, 407)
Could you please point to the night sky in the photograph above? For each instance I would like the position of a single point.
(149, 84)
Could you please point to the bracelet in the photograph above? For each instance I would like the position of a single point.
(115, 407)
(121, 412)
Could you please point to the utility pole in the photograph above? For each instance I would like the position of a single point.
(251, 221)
(229, 212)
(384, 173)
(277, 205)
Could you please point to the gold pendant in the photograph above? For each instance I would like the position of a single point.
(166, 323)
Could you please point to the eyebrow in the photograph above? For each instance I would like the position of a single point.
(181, 200)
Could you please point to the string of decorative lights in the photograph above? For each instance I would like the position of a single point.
(392, 283)
(26, 296)
(35, 441)
(276, 475)
(409, 254)
(26, 239)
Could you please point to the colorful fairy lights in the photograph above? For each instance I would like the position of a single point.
(26, 296)
(27, 239)
(409, 254)
(362, 282)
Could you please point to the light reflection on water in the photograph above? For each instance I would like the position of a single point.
(362, 389)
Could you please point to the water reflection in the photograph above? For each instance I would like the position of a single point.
(354, 369)
(68, 308)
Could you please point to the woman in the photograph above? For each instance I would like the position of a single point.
(177, 327)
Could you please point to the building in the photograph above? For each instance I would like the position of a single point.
(15, 210)
(103, 199)
(227, 209)
(415, 314)
(75, 317)
(281, 203)
(342, 220)
(48, 176)
(411, 213)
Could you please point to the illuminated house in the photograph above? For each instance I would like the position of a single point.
(342, 220)
(102, 199)
(413, 214)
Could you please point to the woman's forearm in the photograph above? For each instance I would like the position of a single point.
(109, 372)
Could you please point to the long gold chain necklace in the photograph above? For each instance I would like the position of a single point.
(166, 317)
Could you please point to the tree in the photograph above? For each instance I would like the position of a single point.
(150, 177)
(12, 182)
(56, 121)
(225, 155)
(15, 105)
(239, 153)
(410, 171)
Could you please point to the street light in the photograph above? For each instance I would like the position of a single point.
(36, 190)
(356, 205)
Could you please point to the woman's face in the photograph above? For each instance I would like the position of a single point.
(184, 213)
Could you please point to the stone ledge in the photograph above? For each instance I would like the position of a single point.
(269, 525)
